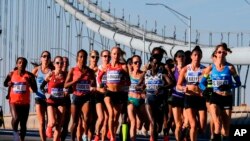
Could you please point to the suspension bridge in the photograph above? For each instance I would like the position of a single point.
(62, 27)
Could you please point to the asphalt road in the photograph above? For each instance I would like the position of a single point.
(6, 135)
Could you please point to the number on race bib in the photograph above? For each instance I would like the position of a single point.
(217, 83)
(19, 88)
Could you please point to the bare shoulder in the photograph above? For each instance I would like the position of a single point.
(232, 68)
(230, 65)
(35, 70)
(184, 69)
(207, 69)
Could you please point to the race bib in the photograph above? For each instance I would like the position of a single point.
(193, 79)
(57, 92)
(113, 77)
(132, 88)
(218, 83)
(19, 88)
(83, 86)
(153, 86)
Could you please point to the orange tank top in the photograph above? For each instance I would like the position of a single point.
(19, 93)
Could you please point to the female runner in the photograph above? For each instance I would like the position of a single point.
(82, 79)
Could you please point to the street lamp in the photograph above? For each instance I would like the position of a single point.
(176, 12)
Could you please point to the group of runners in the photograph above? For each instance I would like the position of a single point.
(176, 94)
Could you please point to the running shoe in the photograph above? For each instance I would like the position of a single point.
(96, 138)
(112, 139)
(144, 132)
(109, 134)
(49, 132)
(84, 138)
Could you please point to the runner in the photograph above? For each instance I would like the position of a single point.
(93, 60)
(124, 128)
(177, 96)
(40, 71)
(168, 121)
(221, 73)
(155, 82)
(67, 102)
(115, 71)
(82, 79)
(55, 98)
(194, 103)
(20, 82)
(135, 101)
(101, 110)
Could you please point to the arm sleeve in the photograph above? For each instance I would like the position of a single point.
(237, 82)
(203, 83)
(33, 84)
(43, 86)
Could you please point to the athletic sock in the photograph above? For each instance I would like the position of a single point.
(124, 132)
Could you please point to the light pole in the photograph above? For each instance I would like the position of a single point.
(176, 12)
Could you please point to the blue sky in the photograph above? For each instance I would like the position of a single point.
(210, 15)
(216, 16)
(207, 16)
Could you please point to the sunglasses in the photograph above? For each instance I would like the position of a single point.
(106, 56)
(94, 57)
(221, 52)
(136, 62)
(45, 56)
(59, 63)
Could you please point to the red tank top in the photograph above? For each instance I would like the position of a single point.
(81, 87)
(20, 93)
(114, 74)
(55, 88)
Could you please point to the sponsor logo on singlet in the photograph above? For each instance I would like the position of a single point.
(40, 80)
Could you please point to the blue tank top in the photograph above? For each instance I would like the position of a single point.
(39, 80)
(153, 82)
(192, 77)
(133, 83)
(177, 93)
(219, 78)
